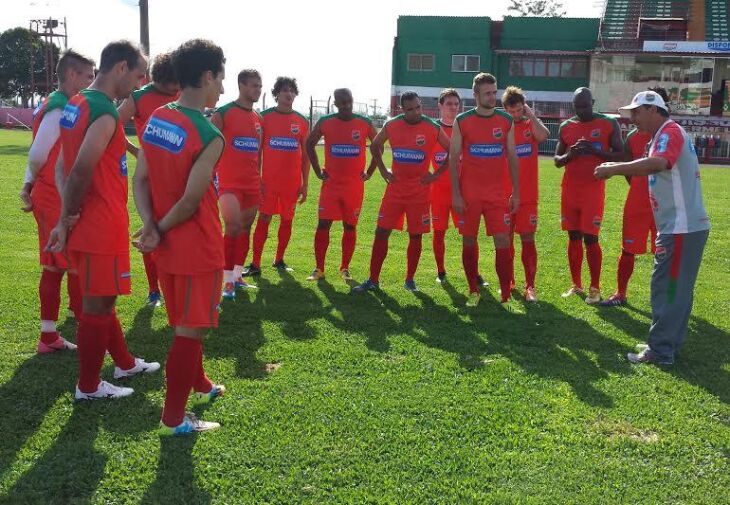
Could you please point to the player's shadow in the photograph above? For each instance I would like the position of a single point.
(13, 150)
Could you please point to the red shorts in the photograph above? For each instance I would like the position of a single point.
(582, 211)
(392, 214)
(102, 274)
(46, 218)
(341, 202)
(275, 202)
(496, 218)
(246, 198)
(192, 300)
(440, 213)
(525, 219)
(637, 227)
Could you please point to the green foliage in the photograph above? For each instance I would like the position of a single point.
(15, 46)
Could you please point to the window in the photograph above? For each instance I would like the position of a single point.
(420, 62)
(565, 67)
(465, 63)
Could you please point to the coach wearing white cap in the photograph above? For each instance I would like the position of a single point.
(682, 224)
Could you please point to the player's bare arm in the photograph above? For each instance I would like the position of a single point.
(539, 131)
(126, 111)
(444, 142)
(198, 183)
(147, 237)
(514, 170)
(311, 145)
(305, 174)
(564, 154)
(641, 167)
(457, 202)
(376, 150)
(59, 174)
(372, 133)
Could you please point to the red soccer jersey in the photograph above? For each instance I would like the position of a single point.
(45, 183)
(579, 172)
(484, 156)
(345, 144)
(441, 187)
(412, 146)
(238, 167)
(284, 136)
(172, 140)
(146, 100)
(637, 200)
(526, 149)
(103, 227)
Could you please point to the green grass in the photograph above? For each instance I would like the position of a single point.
(386, 398)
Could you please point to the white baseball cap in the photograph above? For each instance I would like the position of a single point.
(644, 98)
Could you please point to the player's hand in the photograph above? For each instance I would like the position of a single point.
(388, 176)
(585, 147)
(365, 176)
(70, 221)
(528, 111)
(457, 202)
(25, 198)
(57, 238)
(604, 170)
(514, 204)
(302, 194)
(148, 238)
(323, 175)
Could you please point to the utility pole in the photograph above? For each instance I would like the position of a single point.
(45, 30)
(144, 27)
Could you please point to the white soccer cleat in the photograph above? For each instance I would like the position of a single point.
(103, 392)
(594, 296)
(140, 366)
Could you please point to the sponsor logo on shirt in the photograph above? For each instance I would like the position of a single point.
(123, 165)
(356, 135)
(344, 151)
(528, 134)
(497, 133)
(596, 133)
(486, 150)
(246, 144)
(70, 116)
(662, 143)
(283, 143)
(661, 252)
(439, 157)
(408, 156)
(420, 140)
(165, 135)
(294, 128)
(523, 150)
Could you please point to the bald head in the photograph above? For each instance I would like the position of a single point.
(343, 102)
(583, 104)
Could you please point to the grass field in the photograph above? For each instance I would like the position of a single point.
(392, 397)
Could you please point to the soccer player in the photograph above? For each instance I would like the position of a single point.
(483, 139)
(584, 141)
(412, 137)
(345, 138)
(176, 198)
(239, 178)
(40, 195)
(529, 131)
(94, 223)
(682, 224)
(285, 172)
(638, 219)
(163, 89)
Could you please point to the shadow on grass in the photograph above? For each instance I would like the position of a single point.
(13, 150)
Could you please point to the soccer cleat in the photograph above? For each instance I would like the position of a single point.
(530, 295)
(216, 391)
(441, 277)
(317, 275)
(615, 300)
(229, 291)
(104, 391)
(154, 299)
(345, 274)
(190, 424)
(241, 284)
(59, 344)
(251, 271)
(281, 266)
(473, 299)
(646, 355)
(368, 285)
(140, 366)
(594, 296)
(574, 290)
(410, 285)
(481, 281)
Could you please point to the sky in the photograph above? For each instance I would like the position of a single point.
(324, 44)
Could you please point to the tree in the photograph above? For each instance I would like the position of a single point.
(542, 8)
(15, 45)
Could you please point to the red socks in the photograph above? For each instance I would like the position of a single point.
(529, 262)
(242, 246)
(181, 372)
(229, 251)
(49, 290)
(625, 269)
(470, 259)
(439, 249)
(349, 238)
(575, 260)
(284, 236)
(594, 255)
(151, 270)
(380, 251)
(117, 346)
(504, 266)
(202, 383)
(321, 243)
(75, 298)
(259, 239)
(91, 338)
(415, 246)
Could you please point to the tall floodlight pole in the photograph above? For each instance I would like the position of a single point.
(144, 27)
